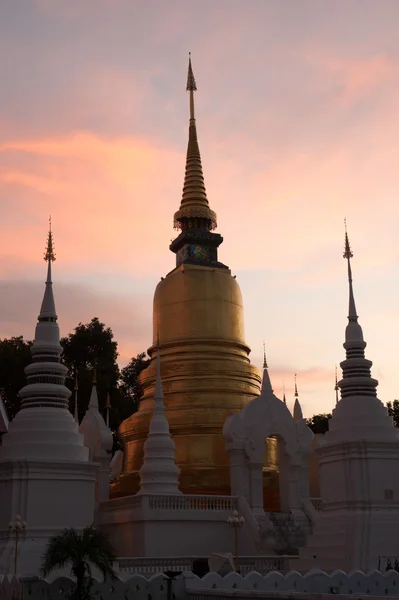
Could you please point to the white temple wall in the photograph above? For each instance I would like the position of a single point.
(367, 474)
(315, 584)
(49, 497)
(137, 527)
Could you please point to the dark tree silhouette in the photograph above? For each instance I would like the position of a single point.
(92, 548)
(319, 423)
(15, 355)
(393, 410)
(92, 344)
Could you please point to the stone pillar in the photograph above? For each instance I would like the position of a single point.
(256, 483)
(239, 476)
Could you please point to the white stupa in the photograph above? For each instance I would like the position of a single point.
(359, 468)
(45, 473)
(159, 473)
(98, 438)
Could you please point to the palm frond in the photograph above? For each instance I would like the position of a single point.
(92, 547)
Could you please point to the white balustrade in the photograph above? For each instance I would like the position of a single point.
(189, 502)
(317, 503)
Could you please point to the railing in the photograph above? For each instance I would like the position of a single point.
(211, 503)
(317, 503)
(246, 564)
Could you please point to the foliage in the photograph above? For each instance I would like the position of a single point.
(130, 386)
(91, 548)
(15, 355)
(393, 411)
(319, 423)
(90, 345)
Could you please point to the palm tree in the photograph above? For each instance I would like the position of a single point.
(81, 551)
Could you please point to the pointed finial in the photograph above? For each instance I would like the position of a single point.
(296, 387)
(348, 254)
(284, 398)
(95, 373)
(76, 387)
(264, 356)
(108, 401)
(49, 255)
(191, 85)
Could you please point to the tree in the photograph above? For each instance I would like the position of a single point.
(393, 411)
(15, 355)
(92, 345)
(92, 548)
(130, 386)
(319, 423)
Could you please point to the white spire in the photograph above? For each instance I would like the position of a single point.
(44, 428)
(266, 387)
(159, 473)
(356, 368)
(93, 404)
(107, 409)
(359, 415)
(297, 406)
(46, 375)
(76, 408)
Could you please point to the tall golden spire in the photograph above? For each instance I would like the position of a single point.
(194, 211)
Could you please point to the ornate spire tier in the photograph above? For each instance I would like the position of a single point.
(357, 378)
(159, 473)
(44, 428)
(46, 375)
(196, 243)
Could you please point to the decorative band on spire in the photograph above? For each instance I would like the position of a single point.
(46, 375)
(264, 356)
(357, 380)
(49, 255)
(191, 85)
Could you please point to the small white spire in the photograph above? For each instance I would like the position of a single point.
(266, 387)
(93, 404)
(297, 406)
(46, 351)
(75, 389)
(107, 408)
(159, 473)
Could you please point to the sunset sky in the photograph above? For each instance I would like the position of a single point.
(298, 124)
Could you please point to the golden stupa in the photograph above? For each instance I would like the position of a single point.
(198, 326)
